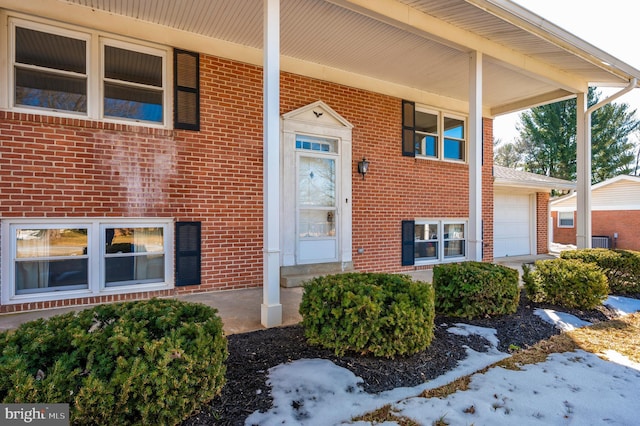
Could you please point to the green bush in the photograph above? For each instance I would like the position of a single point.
(379, 314)
(566, 282)
(145, 362)
(622, 267)
(475, 289)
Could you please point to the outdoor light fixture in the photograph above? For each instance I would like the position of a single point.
(363, 167)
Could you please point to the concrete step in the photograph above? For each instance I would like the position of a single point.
(297, 275)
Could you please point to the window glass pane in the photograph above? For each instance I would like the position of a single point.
(35, 242)
(37, 276)
(129, 270)
(313, 143)
(453, 128)
(426, 145)
(50, 51)
(132, 102)
(453, 231)
(317, 223)
(426, 246)
(426, 250)
(427, 123)
(453, 149)
(134, 240)
(49, 90)
(316, 182)
(134, 67)
(51, 260)
(134, 256)
(454, 248)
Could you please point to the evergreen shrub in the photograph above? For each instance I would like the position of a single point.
(475, 289)
(384, 315)
(570, 283)
(143, 362)
(622, 267)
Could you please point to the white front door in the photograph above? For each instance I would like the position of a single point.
(316, 187)
(317, 209)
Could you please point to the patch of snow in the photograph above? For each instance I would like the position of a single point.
(618, 358)
(623, 305)
(490, 334)
(562, 320)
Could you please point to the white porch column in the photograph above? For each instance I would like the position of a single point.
(475, 156)
(271, 309)
(583, 173)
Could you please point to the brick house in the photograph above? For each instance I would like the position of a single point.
(615, 214)
(156, 148)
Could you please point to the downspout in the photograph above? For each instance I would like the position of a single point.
(583, 178)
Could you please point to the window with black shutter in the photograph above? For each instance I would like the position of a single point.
(188, 253)
(408, 242)
(187, 90)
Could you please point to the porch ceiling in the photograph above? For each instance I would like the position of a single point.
(527, 60)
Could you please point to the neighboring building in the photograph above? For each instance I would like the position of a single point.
(521, 211)
(157, 148)
(615, 214)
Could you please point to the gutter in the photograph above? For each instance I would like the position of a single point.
(530, 21)
(632, 85)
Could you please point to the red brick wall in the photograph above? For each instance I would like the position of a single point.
(625, 222)
(605, 223)
(542, 222)
(55, 167)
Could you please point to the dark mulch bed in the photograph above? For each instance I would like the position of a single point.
(252, 354)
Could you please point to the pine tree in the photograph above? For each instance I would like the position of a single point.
(548, 139)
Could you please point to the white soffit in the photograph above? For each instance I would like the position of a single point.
(360, 38)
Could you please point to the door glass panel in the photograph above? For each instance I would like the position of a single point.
(317, 224)
(317, 182)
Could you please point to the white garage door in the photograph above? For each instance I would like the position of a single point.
(511, 225)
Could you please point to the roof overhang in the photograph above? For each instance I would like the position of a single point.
(507, 178)
(413, 49)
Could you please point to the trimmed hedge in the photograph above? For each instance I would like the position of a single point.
(144, 362)
(622, 267)
(570, 283)
(475, 289)
(372, 314)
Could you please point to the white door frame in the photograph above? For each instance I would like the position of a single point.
(316, 119)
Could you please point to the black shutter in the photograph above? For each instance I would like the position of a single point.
(408, 242)
(408, 128)
(188, 253)
(186, 96)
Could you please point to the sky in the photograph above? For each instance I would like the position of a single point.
(609, 25)
(577, 388)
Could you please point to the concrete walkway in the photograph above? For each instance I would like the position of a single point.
(239, 309)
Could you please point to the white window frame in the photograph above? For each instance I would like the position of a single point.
(95, 41)
(441, 258)
(441, 115)
(561, 218)
(95, 252)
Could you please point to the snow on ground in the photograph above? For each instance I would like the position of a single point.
(622, 305)
(562, 320)
(568, 388)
